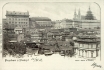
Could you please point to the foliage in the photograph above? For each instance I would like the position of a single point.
(15, 48)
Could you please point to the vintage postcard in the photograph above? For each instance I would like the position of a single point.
(51, 36)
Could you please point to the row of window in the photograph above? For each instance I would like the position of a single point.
(18, 25)
(18, 19)
(45, 25)
(88, 45)
(18, 22)
(43, 22)
(23, 25)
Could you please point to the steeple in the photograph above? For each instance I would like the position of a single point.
(75, 14)
(79, 14)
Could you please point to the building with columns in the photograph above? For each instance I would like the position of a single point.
(87, 46)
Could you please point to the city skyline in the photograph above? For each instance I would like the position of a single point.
(55, 11)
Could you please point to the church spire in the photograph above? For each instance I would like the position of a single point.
(79, 14)
(75, 14)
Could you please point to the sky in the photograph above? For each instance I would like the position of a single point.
(53, 10)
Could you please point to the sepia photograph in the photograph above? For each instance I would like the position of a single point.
(52, 31)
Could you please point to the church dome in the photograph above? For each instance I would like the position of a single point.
(89, 15)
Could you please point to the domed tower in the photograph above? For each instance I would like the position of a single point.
(89, 15)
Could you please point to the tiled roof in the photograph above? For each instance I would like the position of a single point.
(40, 19)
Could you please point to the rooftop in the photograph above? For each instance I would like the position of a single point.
(40, 19)
(18, 28)
(15, 13)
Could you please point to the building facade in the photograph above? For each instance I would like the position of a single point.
(17, 19)
(41, 23)
(65, 23)
(87, 46)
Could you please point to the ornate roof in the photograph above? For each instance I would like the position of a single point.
(89, 15)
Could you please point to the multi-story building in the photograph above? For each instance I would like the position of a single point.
(17, 19)
(87, 46)
(65, 23)
(41, 23)
(4, 21)
(35, 35)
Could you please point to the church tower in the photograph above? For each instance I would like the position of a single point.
(79, 15)
(75, 15)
